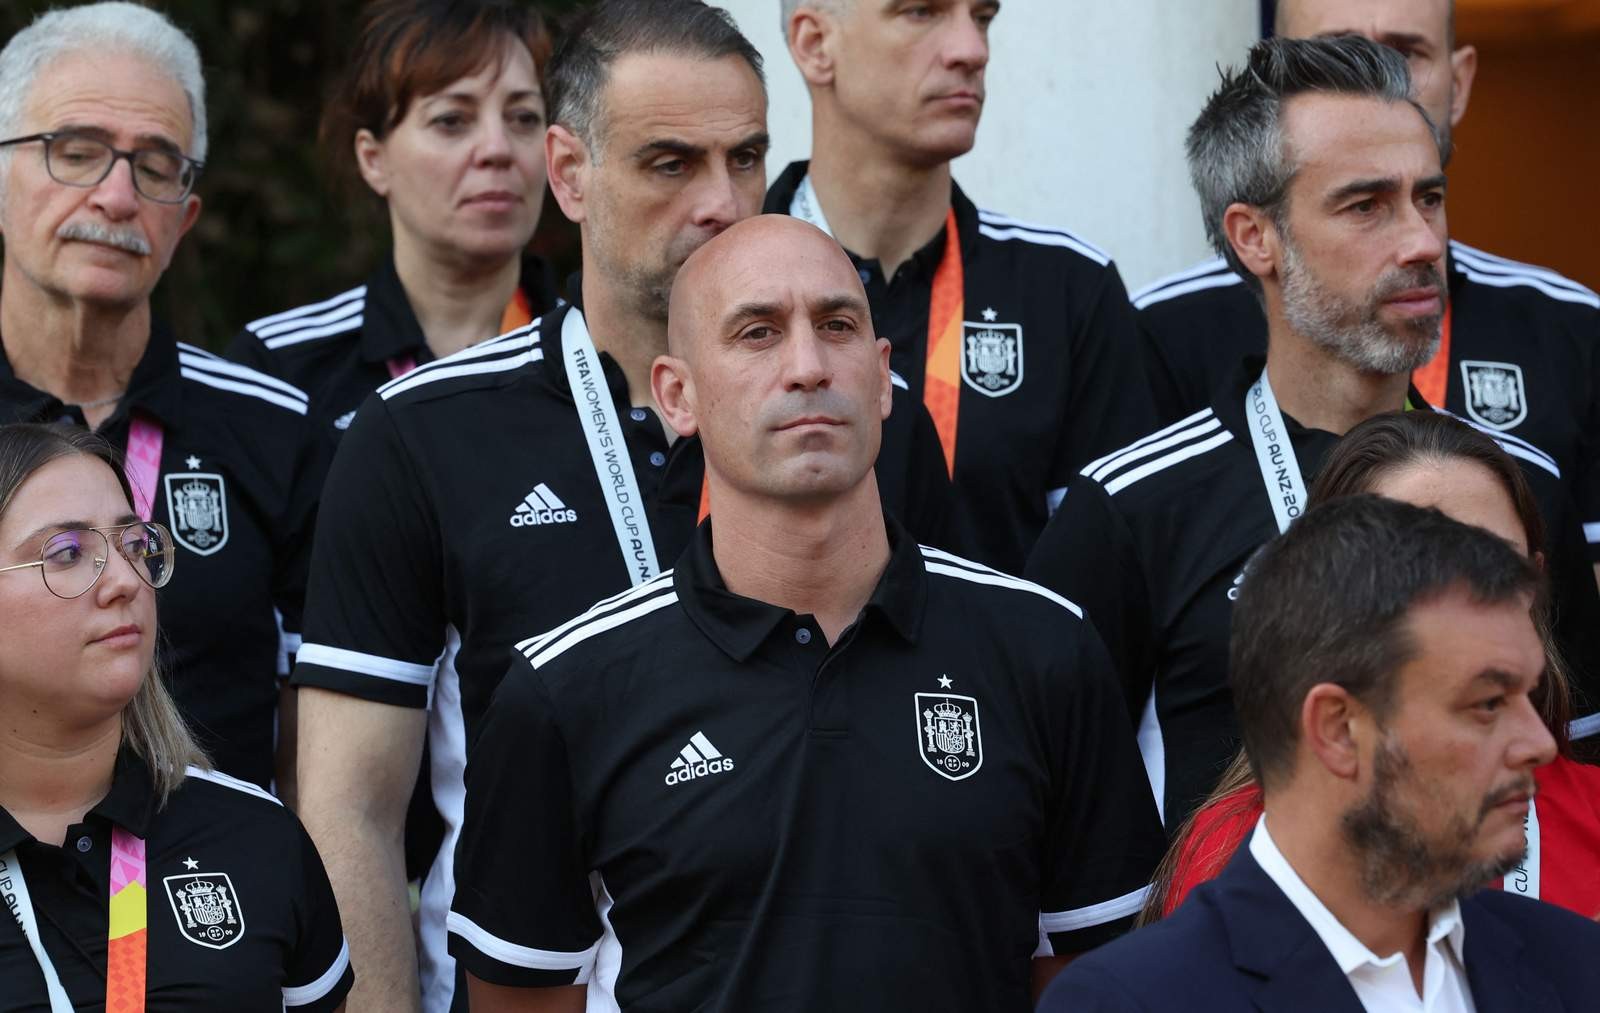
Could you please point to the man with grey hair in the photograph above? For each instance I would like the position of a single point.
(103, 130)
(1321, 179)
(1017, 337)
(1520, 348)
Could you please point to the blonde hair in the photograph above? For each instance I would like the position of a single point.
(151, 724)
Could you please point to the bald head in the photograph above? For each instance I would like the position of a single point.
(750, 270)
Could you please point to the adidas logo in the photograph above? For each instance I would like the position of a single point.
(698, 759)
(541, 506)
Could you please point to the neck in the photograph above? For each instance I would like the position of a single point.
(818, 559)
(79, 353)
(621, 330)
(49, 781)
(458, 301)
(1322, 391)
(879, 207)
(1320, 855)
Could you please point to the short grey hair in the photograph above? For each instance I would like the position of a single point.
(614, 28)
(1237, 150)
(788, 7)
(96, 29)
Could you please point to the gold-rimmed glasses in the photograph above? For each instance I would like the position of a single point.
(73, 560)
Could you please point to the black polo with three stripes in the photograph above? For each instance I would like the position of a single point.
(1153, 541)
(238, 481)
(689, 799)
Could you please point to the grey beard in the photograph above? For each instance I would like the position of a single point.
(1354, 333)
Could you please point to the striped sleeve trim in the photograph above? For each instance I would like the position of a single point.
(267, 323)
(1044, 235)
(947, 564)
(1582, 728)
(1183, 423)
(365, 664)
(313, 333)
(1516, 446)
(305, 995)
(604, 605)
(495, 948)
(1223, 280)
(1482, 267)
(512, 350)
(1205, 267)
(203, 367)
(218, 777)
(546, 651)
(1094, 914)
(1202, 426)
(1160, 464)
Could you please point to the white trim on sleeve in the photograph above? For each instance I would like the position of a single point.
(1094, 914)
(305, 995)
(495, 948)
(365, 664)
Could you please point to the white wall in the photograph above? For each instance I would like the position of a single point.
(1083, 129)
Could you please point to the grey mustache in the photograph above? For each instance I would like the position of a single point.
(130, 240)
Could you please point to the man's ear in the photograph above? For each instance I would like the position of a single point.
(672, 383)
(886, 392)
(567, 159)
(1254, 238)
(811, 34)
(371, 163)
(1463, 71)
(1332, 726)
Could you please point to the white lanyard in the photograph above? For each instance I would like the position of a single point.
(1524, 877)
(15, 890)
(805, 206)
(609, 451)
(1280, 469)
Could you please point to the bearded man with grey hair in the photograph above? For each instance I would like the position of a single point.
(102, 139)
(1321, 181)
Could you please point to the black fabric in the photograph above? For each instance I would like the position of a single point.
(1156, 559)
(763, 814)
(284, 932)
(246, 435)
(1082, 386)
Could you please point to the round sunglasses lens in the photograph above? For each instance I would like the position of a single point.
(72, 560)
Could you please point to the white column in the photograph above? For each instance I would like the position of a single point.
(1088, 103)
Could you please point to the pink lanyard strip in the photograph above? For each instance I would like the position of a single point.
(143, 463)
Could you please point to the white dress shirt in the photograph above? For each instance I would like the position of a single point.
(1382, 984)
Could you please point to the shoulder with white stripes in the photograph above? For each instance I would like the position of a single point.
(1208, 274)
(218, 777)
(474, 364)
(948, 564)
(1501, 272)
(602, 617)
(1516, 446)
(338, 315)
(1004, 228)
(200, 366)
(1185, 440)
(895, 379)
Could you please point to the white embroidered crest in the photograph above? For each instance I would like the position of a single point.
(991, 357)
(1495, 393)
(207, 908)
(197, 506)
(949, 737)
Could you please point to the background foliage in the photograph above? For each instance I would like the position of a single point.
(276, 230)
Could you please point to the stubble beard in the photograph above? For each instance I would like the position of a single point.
(1352, 331)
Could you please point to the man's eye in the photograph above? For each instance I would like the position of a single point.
(1365, 207)
(676, 167)
(760, 332)
(745, 160)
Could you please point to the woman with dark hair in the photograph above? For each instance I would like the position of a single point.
(135, 875)
(441, 113)
(1433, 460)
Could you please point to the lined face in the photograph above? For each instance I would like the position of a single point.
(911, 72)
(463, 171)
(82, 658)
(681, 155)
(1361, 270)
(105, 244)
(786, 383)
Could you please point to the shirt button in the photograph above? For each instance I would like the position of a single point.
(84, 844)
(803, 635)
(638, 415)
(657, 458)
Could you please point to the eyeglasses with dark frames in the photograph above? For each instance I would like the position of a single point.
(74, 159)
(72, 561)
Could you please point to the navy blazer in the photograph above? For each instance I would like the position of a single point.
(1238, 944)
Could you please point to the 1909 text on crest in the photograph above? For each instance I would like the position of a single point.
(207, 908)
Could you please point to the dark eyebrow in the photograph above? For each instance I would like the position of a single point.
(839, 303)
(668, 146)
(1438, 182)
(1498, 677)
(749, 311)
(759, 139)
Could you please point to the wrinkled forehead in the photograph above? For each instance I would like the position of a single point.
(113, 93)
(1383, 21)
(714, 103)
(1333, 139)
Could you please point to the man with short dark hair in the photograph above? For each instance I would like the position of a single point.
(1320, 177)
(815, 766)
(1383, 656)
(508, 486)
(1016, 336)
(1520, 345)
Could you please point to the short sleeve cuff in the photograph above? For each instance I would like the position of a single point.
(328, 990)
(367, 676)
(1078, 930)
(497, 961)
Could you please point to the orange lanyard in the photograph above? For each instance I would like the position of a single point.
(1432, 379)
(941, 384)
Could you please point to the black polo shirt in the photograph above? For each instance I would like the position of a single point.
(1154, 543)
(338, 350)
(236, 442)
(277, 946)
(691, 800)
(429, 563)
(1077, 388)
(1524, 354)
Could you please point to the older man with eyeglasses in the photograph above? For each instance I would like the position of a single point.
(102, 139)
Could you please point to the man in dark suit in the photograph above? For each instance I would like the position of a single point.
(1382, 661)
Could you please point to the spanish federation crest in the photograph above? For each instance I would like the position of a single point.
(197, 505)
(991, 357)
(948, 735)
(1496, 395)
(207, 908)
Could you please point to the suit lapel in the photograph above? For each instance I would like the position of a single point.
(1498, 976)
(1273, 943)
